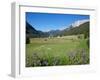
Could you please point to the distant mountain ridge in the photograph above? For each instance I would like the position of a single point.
(80, 28)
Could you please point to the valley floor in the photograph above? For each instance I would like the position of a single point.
(67, 50)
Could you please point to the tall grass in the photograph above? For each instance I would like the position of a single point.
(57, 51)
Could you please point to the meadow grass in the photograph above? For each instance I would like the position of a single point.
(57, 51)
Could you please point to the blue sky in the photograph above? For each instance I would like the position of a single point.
(47, 21)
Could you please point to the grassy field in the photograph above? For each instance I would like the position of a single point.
(67, 50)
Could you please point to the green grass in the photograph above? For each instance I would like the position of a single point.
(67, 50)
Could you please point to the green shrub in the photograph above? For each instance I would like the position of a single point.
(27, 40)
(88, 43)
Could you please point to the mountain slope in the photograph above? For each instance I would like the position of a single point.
(79, 22)
(83, 28)
(32, 32)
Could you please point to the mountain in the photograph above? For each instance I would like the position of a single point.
(81, 29)
(54, 33)
(32, 32)
(79, 22)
